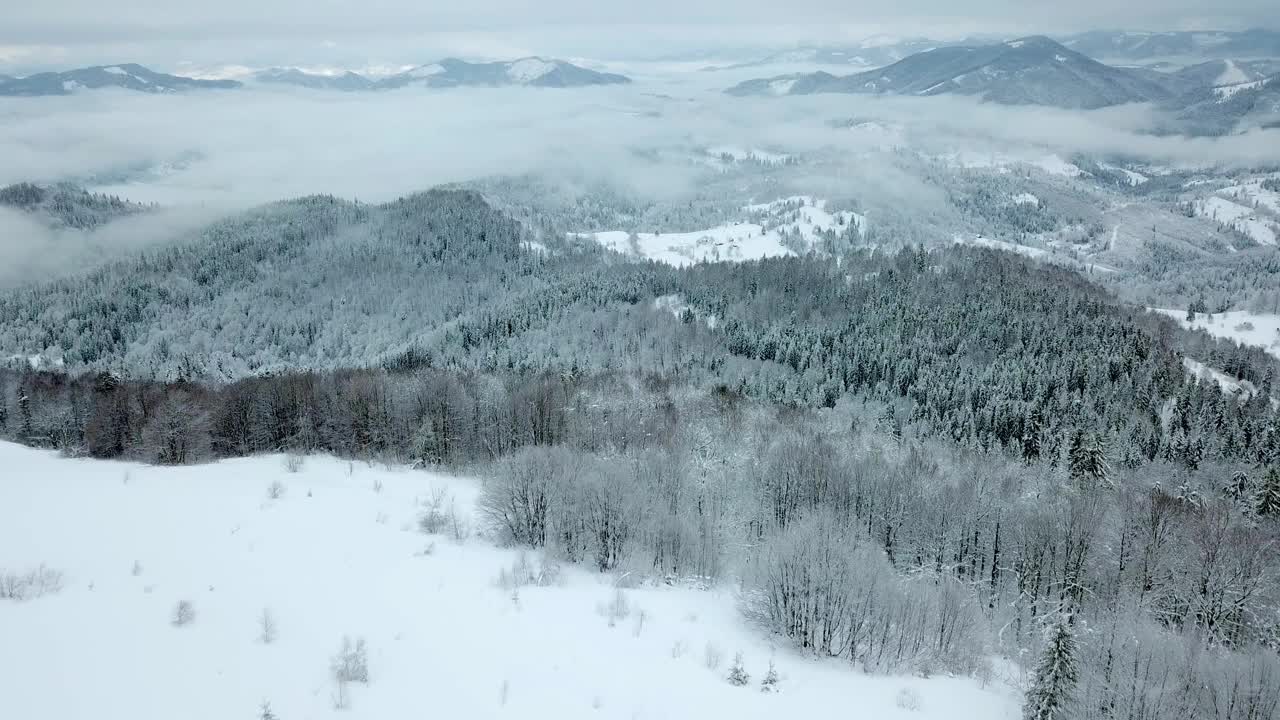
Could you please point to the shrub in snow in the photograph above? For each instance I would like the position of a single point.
(275, 490)
(770, 682)
(618, 608)
(137, 568)
(184, 613)
(267, 631)
(712, 657)
(737, 674)
(351, 664)
(293, 462)
(265, 713)
(29, 585)
(907, 699)
(340, 697)
(435, 512)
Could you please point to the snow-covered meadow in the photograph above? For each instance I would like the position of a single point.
(1247, 328)
(279, 559)
(802, 219)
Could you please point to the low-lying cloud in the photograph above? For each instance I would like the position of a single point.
(204, 153)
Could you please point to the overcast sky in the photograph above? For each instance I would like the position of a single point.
(55, 32)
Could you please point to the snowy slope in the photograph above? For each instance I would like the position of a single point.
(1239, 217)
(340, 554)
(738, 241)
(1245, 328)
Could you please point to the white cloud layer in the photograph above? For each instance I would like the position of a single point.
(202, 153)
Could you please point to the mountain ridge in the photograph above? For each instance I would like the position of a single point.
(1034, 70)
(128, 76)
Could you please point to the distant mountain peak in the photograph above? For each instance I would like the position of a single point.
(128, 76)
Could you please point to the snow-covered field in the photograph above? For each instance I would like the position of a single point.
(340, 553)
(1229, 385)
(1003, 162)
(1240, 217)
(804, 217)
(1244, 327)
(1039, 254)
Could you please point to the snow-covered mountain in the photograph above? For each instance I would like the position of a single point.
(530, 71)
(1122, 45)
(1028, 71)
(869, 53)
(318, 81)
(1223, 73)
(129, 76)
(1225, 109)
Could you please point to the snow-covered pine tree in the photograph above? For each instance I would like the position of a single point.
(1267, 503)
(1087, 458)
(1237, 487)
(737, 674)
(770, 682)
(1050, 693)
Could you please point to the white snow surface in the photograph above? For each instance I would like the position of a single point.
(1246, 328)
(1231, 75)
(782, 87)
(737, 241)
(529, 69)
(1026, 199)
(1055, 165)
(116, 70)
(426, 71)
(340, 554)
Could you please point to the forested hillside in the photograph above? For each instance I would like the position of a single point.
(66, 205)
(912, 460)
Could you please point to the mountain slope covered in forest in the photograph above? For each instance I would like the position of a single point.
(1028, 71)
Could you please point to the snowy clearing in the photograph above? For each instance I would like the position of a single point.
(1134, 178)
(797, 219)
(1229, 385)
(1253, 192)
(1238, 217)
(971, 160)
(1231, 75)
(1038, 254)
(1244, 327)
(272, 585)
